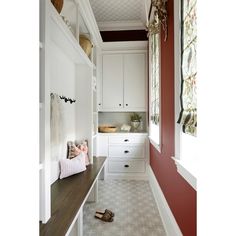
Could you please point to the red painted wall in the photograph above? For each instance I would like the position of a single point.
(180, 196)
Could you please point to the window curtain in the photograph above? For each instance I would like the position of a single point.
(155, 78)
(188, 96)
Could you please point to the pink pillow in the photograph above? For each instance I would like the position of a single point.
(72, 166)
(83, 146)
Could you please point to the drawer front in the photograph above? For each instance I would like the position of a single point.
(126, 139)
(126, 151)
(126, 166)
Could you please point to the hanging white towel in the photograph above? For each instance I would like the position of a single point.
(56, 124)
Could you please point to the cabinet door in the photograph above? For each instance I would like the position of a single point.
(112, 82)
(102, 145)
(135, 82)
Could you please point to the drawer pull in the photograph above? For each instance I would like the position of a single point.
(126, 140)
(126, 166)
(126, 151)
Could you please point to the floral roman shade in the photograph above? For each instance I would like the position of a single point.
(155, 48)
(188, 114)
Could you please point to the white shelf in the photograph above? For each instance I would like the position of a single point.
(63, 38)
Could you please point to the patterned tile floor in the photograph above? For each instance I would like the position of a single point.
(136, 213)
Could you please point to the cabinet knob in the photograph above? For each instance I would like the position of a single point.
(99, 104)
(126, 104)
(126, 151)
(126, 166)
(119, 104)
(126, 140)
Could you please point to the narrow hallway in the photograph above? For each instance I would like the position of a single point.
(136, 213)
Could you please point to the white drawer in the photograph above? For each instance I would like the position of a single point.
(126, 151)
(126, 166)
(126, 139)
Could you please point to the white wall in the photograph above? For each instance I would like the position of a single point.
(84, 117)
(62, 82)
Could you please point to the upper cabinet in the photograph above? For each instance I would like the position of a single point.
(135, 81)
(112, 82)
(124, 82)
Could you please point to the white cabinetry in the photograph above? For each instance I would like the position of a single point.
(134, 81)
(66, 70)
(127, 155)
(112, 82)
(124, 82)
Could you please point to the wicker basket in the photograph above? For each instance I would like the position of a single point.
(58, 4)
(86, 44)
(107, 129)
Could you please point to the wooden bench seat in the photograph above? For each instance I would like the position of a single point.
(68, 196)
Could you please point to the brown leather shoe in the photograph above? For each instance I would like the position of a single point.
(106, 211)
(104, 217)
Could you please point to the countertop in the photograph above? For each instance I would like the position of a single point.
(119, 132)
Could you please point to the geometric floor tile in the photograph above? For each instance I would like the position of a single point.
(132, 201)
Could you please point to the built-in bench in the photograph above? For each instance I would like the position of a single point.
(68, 197)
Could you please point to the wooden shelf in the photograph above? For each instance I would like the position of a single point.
(64, 39)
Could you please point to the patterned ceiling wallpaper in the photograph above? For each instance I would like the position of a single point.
(117, 10)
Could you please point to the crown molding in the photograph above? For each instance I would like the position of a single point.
(129, 45)
(120, 25)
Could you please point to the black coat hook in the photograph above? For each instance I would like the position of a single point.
(66, 99)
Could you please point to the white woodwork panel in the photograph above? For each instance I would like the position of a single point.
(102, 145)
(134, 81)
(112, 81)
(62, 82)
(126, 166)
(126, 151)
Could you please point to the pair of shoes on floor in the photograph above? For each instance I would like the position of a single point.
(106, 215)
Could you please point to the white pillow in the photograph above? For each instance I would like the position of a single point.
(72, 166)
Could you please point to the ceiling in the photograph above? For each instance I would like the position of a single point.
(113, 15)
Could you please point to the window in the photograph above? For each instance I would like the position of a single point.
(188, 114)
(185, 144)
(154, 89)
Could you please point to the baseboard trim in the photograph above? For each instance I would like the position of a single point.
(170, 224)
(127, 176)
